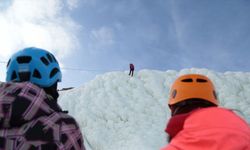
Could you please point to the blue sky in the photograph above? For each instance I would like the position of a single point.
(97, 36)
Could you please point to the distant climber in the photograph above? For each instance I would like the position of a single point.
(132, 68)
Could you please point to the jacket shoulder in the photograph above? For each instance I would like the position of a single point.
(23, 102)
(208, 128)
(215, 117)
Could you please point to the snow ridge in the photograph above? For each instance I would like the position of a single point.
(118, 112)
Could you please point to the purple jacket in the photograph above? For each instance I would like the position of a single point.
(32, 120)
(131, 66)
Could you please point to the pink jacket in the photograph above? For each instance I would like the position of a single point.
(212, 129)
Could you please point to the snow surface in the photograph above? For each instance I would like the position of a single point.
(119, 112)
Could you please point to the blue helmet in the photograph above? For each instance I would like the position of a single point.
(35, 65)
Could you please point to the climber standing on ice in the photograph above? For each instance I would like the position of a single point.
(132, 68)
(197, 123)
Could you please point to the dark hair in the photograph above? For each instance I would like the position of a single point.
(52, 91)
(189, 105)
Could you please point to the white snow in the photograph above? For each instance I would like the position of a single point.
(118, 112)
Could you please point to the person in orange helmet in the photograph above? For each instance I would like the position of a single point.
(198, 123)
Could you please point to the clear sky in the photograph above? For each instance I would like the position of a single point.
(91, 37)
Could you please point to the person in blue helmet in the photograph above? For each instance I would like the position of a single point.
(30, 117)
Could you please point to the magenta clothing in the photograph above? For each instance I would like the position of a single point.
(132, 67)
(175, 124)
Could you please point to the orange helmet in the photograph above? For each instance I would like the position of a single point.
(192, 86)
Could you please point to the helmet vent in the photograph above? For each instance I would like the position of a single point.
(45, 61)
(37, 74)
(187, 80)
(49, 57)
(215, 95)
(53, 72)
(13, 76)
(24, 76)
(201, 80)
(8, 63)
(54, 58)
(174, 93)
(23, 59)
